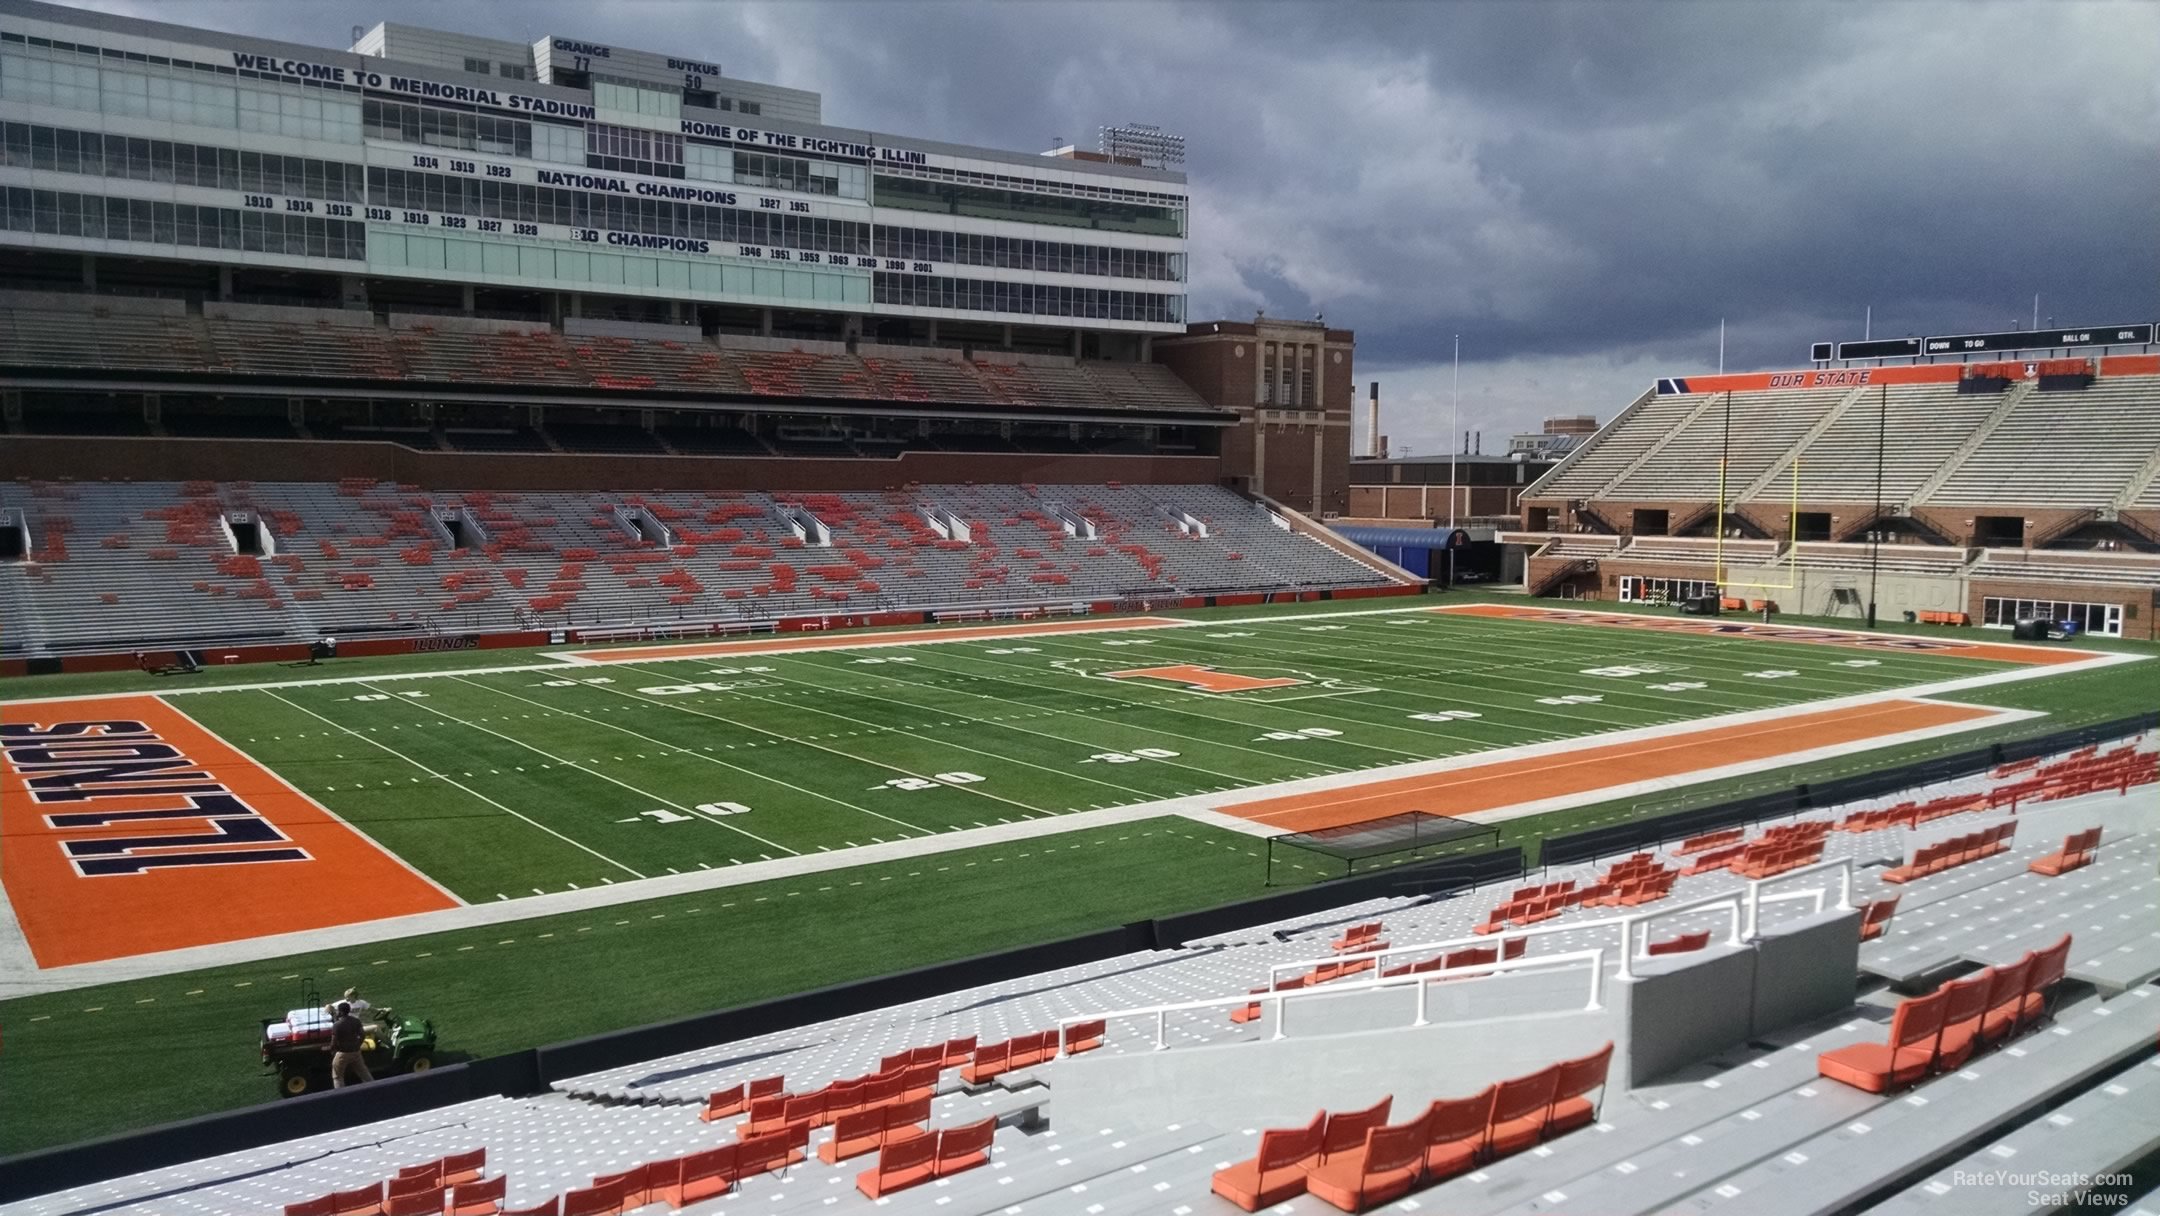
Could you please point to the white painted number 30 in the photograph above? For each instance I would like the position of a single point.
(1133, 756)
(932, 782)
(1308, 732)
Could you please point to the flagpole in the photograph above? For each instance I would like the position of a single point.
(1454, 449)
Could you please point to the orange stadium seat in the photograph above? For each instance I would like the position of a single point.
(1385, 1166)
(901, 1164)
(1903, 1059)
(1276, 1174)
(478, 1198)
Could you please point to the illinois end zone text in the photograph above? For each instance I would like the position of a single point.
(132, 830)
(122, 765)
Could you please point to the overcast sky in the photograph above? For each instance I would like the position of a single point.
(1581, 191)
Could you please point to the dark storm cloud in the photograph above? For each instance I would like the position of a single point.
(1581, 190)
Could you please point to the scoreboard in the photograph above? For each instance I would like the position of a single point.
(2108, 335)
(1880, 348)
(2140, 334)
(573, 61)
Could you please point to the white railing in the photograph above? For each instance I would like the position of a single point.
(1745, 907)
(1755, 897)
(1281, 997)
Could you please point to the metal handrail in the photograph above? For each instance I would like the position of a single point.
(1746, 919)
(1280, 997)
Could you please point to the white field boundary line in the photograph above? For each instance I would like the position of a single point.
(561, 661)
(371, 935)
(325, 811)
(15, 956)
(1995, 717)
(811, 641)
(447, 779)
(1831, 633)
(1195, 807)
(1198, 808)
(1638, 734)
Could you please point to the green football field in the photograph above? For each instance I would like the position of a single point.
(520, 775)
(511, 784)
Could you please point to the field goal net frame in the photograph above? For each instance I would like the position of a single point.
(1718, 569)
(1400, 837)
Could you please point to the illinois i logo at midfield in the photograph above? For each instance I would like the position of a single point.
(1212, 679)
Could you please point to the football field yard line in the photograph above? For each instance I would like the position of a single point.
(1232, 701)
(1090, 692)
(446, 778)
(1180, 707)
(317, 803)
(1304, 709)
(874, 763)
(883, 728)
(1541, 655)
(1541, 658)
(1070, 713)
(668, 802)
(369, 935)
(1739, 647)
(1455, 694)
(1455, 691)
(675, 747)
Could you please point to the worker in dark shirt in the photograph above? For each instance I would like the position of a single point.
(346, 1036)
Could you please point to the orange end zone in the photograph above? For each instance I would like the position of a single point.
(1997, 652)
(131, 829)
(1587, 769)
(782, 644)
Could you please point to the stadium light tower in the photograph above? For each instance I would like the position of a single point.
(1877, 533)
(1144, 142)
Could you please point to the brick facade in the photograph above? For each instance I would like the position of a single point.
(1291, 384)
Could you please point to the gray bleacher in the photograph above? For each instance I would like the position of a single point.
(1749, 431)
(2066, 449)
(1626, 440)
(2092, 448)
(326, 535)
(2069, 566)
(1920, 426)
(2096, 1134)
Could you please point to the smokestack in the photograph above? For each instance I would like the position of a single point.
(1373, 438)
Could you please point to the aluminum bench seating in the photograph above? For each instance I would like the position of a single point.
(1900, 1140)
(2105, 1130)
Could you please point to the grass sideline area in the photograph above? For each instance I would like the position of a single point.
(488, 994)
(68, 1071)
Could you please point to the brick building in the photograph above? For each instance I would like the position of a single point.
(1291, 385)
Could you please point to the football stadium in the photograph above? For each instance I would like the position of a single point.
(577, 640)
